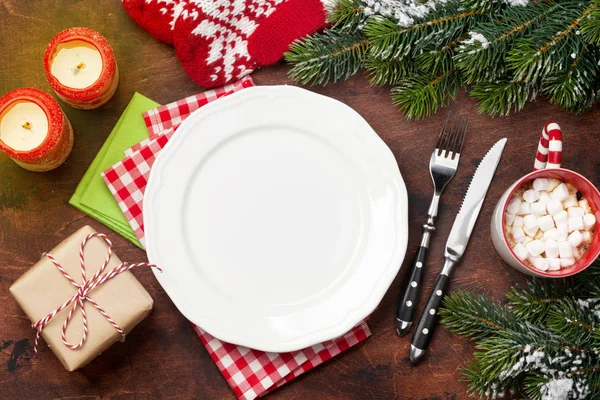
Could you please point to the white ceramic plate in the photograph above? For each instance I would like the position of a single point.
(278, 216)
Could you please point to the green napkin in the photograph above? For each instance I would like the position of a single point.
(92, 195)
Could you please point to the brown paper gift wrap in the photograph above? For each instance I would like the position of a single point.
(43, 288)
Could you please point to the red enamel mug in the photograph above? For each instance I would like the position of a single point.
(547, 165)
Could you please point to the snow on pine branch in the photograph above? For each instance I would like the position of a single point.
(517, 2)
(474, 39)
(404, 12)
(561, 373)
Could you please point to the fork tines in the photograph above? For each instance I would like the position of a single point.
(451, 138)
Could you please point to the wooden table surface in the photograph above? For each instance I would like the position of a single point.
(163, 357)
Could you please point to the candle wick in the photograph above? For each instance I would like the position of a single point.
(80, 65)
(26, 125)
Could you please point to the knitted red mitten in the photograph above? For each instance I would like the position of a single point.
(157, 17)
(221, 41)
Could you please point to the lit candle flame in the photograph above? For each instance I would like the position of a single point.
(80, 65)
(26, 125)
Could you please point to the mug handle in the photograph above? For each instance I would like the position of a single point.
(549, 153)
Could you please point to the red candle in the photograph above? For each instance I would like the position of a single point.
(81, 68)
(34, 131)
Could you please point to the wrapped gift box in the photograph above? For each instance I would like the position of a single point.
(43, 288)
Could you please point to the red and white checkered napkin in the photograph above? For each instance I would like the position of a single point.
(128, 178)
(172, 115)
(253, 373)
(250, 373)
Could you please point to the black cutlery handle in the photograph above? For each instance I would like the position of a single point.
(429, 318)
(409, 300)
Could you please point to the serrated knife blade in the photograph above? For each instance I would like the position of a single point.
(455, 248)
(469, 210)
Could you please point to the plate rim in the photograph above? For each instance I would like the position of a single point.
(353, 316)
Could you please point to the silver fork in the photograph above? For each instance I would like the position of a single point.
(442, 167)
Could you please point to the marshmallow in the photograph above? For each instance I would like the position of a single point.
(565, 249)
(554, 207)
(576, 212)
(541, 184)
(531, 195)
(589, 221)
(587, 237)
(571, 201)
(520, 251)
(550, 234)
(576, 253)
(530, 222)
(513, 206)
(575, 238)
(566, 262)
(538, 208)
(583, 203)
(531, 232)
(551, 248)
(525, 208)
(575, 223)
(560, 193)
(509, 219)
(561, 219)
(541, 263)
(553, 264)
(545, 223)
(518, 221)
(539, 235)
(535, 247)
(561, 233)
(552, 184)
(544, 197)
(518, 234)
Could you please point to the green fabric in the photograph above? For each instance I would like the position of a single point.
(92, 195)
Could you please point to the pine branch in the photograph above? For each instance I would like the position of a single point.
(474, 316)
(420, 97)
(575, 88)
(388, 72)
(437, 60)
(327, 56)
(549, 49)
(546, 345)
(508, 50)
(478, 384)
(347, 14)
(481, 58)
(587, 283)
(391, 40)
(576, 320)
(533, 302)
(500, 97)
(590, 26)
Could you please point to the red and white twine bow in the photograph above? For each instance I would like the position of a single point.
(82, 294)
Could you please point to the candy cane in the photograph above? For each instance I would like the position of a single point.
(549, 153)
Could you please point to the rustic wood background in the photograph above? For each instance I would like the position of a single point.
(163, 357)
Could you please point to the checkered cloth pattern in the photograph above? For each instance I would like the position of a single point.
(128, 178)
(172, 115)
(250, 373)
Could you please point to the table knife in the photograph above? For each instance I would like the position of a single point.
(455, 248)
